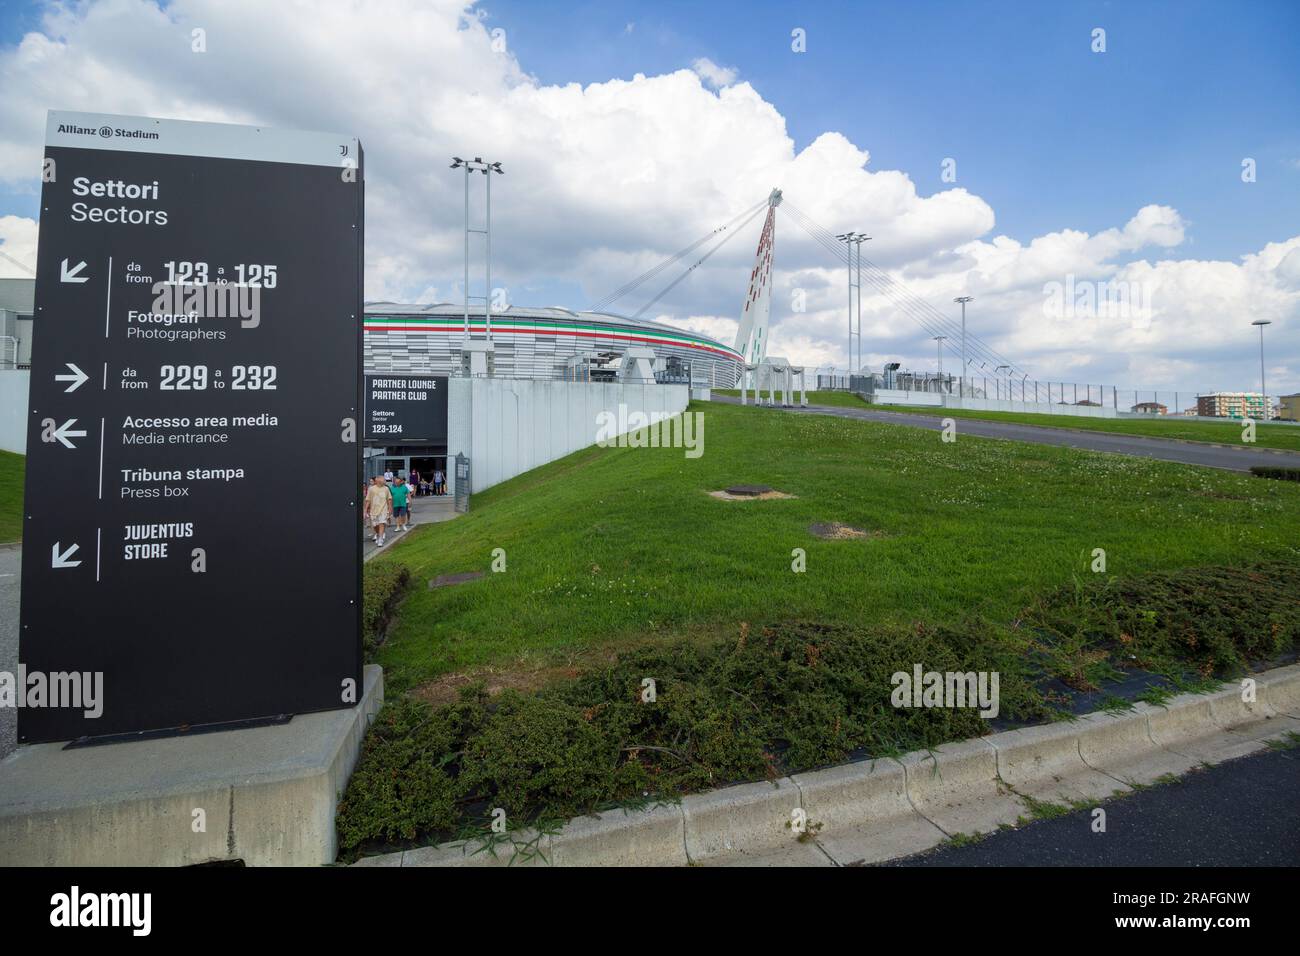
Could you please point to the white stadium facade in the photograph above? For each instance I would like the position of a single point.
(536, 343)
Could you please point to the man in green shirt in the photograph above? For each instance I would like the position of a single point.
(401, 512)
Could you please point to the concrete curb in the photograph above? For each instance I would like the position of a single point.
(882, 809)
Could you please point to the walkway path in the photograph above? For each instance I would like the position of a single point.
(427, 510)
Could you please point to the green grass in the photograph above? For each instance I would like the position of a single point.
(619, 546)
(1286, 437)
(842, 399)
(11, 496)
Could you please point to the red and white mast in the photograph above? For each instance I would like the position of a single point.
(751, 337)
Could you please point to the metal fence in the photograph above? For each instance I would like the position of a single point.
(1139, 401)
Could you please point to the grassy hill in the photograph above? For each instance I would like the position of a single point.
(11, 496)
(611, 547)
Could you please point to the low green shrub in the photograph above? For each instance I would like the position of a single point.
(405, 784)
(785, 698)
(1274, 471)
(383, 586)
(1212, 620)
(791, 697)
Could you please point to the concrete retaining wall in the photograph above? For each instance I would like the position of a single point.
(509, 426)
(13, 409)
(264, 795)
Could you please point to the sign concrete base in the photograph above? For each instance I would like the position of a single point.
(264, 795)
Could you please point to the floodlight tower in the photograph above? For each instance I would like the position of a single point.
(854, 240)
(1261, 323)
(963, 299)
(487, 169)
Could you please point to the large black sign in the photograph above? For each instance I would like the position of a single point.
(406, 409)
(192, 528)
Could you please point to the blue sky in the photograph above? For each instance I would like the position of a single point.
(1048, 132)
(1051, 134)
(1123, 164)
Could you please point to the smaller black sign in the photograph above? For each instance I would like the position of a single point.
(406, 409)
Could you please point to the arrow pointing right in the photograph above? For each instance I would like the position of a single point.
(76, 378)
(61, 560)
(72, 275)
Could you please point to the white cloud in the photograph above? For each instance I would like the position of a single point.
(17, 241)
(605, 180)
(712, 74)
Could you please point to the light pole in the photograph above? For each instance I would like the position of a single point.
(963, 299)
(939, 355)
(854, 239)
(1261, 323)
(487, 169)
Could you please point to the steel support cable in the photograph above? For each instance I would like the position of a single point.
(839, 252)
(725, 239)
(920, 316)
(654, 271)
(913, 305)
(887, 284)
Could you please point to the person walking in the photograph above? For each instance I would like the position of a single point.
(401, 508)
(378, 509)
(438, 482)
(415, 482)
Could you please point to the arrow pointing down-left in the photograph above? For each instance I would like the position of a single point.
(61, 560)
(73, 274)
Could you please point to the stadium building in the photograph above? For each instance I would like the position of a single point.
(538, 343)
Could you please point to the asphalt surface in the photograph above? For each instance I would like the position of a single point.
(10, 563)
(1229, 457)
(1242, 813)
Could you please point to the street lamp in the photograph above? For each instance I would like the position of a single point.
(1261, 323)
(487, 169)
(853, 239)
(963, 299)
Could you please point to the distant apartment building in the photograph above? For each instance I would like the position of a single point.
(1290, 407)
(1150, 408)
(1231, 405)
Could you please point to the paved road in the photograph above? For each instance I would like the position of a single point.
(10, 563)
(1241, 813)
(1187, 453)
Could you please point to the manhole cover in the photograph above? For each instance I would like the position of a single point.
(446, 580)
(748, 491)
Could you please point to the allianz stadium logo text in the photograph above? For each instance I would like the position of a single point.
(107, 132)
(639, 429)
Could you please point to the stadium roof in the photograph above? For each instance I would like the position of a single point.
(526, 312)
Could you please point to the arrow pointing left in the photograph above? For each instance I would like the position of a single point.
(73, 274)
(63, 433)
(76, 378)
(61, 560)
